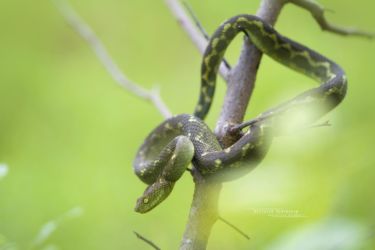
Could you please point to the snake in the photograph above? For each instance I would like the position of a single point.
(183, 139)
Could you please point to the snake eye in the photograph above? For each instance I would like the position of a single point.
(145, 200)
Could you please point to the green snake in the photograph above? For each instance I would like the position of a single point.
(183, 139)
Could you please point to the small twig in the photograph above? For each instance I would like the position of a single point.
(195, 35)
(196, 20)
(234, 129)
(234, 227)
(84, 30)
(319, 125)
(317, 11)
(201, 28)
(308, 127)
(147, 241)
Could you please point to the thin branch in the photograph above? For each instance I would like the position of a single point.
(322, 124)
(190, 28)
(147, 241)
(84, 30)
(234, 227)
(196, 20)
(200, 27)
(317, 11)
(203, 213)
(235, 129)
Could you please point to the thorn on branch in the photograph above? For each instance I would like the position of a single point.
(317, 11)
(147, 241)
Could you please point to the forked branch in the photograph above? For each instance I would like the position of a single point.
(318, 11)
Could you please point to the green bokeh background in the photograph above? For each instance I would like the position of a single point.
(68, 133)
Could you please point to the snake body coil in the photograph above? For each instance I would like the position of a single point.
(182, 139)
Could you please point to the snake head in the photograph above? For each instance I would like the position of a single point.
(154, 195)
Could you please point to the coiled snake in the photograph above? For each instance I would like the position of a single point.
(182, 139)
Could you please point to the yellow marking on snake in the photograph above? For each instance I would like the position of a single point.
(173, 157)
(214, 43)
(193, 119)
(226, 27)
(199, 107)
(168, 126)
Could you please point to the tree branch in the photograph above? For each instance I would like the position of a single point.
(317, 11)
(201, 29)
(191, 29)
(203, 213)
(77, 23)
(241, 81)
(204, 209)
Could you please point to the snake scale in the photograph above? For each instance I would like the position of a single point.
(183, 139)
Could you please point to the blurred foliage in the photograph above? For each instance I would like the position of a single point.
(68, 134)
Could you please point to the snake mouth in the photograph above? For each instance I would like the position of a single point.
(141, 206)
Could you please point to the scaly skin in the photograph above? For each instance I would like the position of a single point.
(179, 140)
(182, 139)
